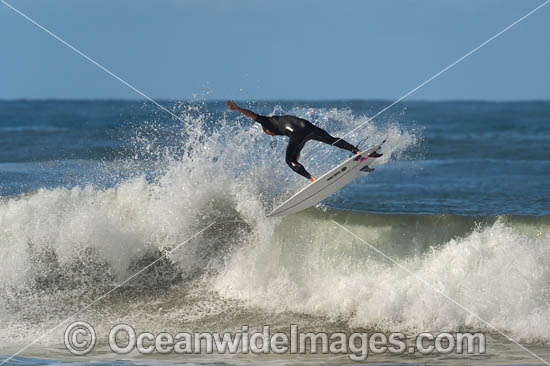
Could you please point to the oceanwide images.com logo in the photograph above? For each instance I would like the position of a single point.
(80, 339)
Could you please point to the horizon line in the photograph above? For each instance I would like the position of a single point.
(270, 100)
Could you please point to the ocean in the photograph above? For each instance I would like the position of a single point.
(457, 211)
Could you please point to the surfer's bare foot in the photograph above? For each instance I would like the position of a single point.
(231, 104)
(312, 179)
(357, 152)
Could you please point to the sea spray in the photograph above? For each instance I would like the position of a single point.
(63, 247)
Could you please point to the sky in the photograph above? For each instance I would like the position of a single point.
(258, 49)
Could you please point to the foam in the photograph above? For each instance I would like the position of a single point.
(497, 272)
(61, 246)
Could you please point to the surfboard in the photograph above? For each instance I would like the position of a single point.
(329, 183)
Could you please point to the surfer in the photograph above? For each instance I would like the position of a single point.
(299, 131)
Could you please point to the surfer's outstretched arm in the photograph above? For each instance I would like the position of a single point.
(260, 119)
(233, 106)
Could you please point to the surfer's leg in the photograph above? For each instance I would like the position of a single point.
(319, 134)
(292, 154)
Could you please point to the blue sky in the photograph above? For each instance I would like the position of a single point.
(256, 49)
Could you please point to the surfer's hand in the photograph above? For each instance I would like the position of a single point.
(312, 179)
(231, 104)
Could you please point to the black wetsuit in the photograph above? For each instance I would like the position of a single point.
(299, 131)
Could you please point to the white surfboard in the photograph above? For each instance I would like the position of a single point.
(328, 183)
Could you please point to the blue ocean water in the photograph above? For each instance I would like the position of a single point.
(473, 158)
(92, 191)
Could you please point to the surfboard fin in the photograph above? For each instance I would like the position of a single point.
(367, 169)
